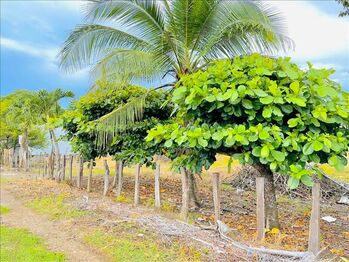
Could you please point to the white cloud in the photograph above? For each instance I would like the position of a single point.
(48, 54)
(316, 34)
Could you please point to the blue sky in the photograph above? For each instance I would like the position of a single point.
(32, 32)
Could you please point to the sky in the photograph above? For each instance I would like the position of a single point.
(32, 33)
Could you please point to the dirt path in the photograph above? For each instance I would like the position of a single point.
(53, 232)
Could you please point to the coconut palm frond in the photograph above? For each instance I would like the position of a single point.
(125, 65)
(142, 17)
(88, 43)
(109, 125)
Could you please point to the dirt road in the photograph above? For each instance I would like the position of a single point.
(55, 235)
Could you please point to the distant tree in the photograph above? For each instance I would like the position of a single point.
(267, 113)
(46, 105)
(345, 4)
(19, 124)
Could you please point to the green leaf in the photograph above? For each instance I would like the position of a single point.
(265, 151)
(317, 145)
(294, 86)
(264, 135)
(292, 182)
(307, 180)
(210, 98)
(308, 149)
(168, 143)
(202, 142)
(247, 104)
(267, 112)
(292, 122)
(278, 156)
(256, 151)
(260, 92)
(326, 91)
(266, 100)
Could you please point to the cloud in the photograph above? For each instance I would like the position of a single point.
(316, 34)
(48, 54)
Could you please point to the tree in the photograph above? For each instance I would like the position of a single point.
(46, 105)
(18, 124)
(345, 4)
(152, 39)
(128, 145)
(265, 112)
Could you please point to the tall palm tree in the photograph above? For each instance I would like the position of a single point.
(46, 106)
(148, 39)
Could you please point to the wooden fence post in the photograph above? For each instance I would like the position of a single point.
(71, 167)
(59, 170)
(185, 195)
(260, 208)
(216, 195)
(81, 173)
(63, 167)
(136, 197)
(106, 178)
(45, 167)
(157, 186)
(120, 176)
(89, 180)
(314, 227)
(113, 185)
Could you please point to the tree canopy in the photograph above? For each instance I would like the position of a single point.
(133, 39)
(261, 111)
(129, 143)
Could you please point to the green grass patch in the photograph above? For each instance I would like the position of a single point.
(20, 245)
(4, 180)
(55, 207)
(128, 243)
(4, 210)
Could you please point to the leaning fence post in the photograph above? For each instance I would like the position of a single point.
(185, 195)
(314, 227)
(136, 197)
(216, 195)
(157, 186)
(89, 180)
(81, 173)
(120, 175)
(260, 208)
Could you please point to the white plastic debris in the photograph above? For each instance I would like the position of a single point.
(343, 200)
(329, 219)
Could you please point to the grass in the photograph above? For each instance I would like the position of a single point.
(21, 245)
(127, 243)
(55, 207)
(4, 210)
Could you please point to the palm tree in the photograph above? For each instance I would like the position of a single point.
(129, 40)
(46, 106)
